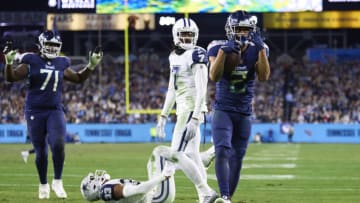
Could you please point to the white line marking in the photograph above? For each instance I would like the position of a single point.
(269, 166)
(259, 177)
(270, 158)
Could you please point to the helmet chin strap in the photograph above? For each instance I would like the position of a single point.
(179, 50)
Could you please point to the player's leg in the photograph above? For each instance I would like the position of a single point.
(36, 127)
(192, 150)
(222, 128)
(186, 164)
(207, 157)
(241, 134)
(56, 132)
(165, 191)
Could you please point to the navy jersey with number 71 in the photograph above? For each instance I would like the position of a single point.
(44, 81)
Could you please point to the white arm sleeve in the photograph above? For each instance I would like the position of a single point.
(201, 80)
(170, 97)
(143, 187)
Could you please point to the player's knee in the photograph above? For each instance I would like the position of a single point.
(239, 153)
(222, 152)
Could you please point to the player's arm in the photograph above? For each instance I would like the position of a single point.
(78, 77)
(200, 72)
(169, 98)
(20, 72)
(217, 65)
(262, 66)
(16, 74)
(110, 192)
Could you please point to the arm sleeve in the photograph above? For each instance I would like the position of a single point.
(170, 97)
(143, 187)
(201, 80)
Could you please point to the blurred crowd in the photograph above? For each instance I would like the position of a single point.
(298, 91)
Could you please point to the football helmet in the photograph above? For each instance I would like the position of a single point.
(50, 44)
(90, 186)
(237, 21)
(185, 33)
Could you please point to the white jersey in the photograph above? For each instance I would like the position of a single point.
(182, 79)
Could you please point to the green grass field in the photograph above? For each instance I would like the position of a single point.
(273, 173)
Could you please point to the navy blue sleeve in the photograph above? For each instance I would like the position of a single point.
(106, 192)
(213, 50)
(26, 58)
(199, 55)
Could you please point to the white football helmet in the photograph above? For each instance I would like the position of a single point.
(90, 186)
(50, 44)
(185, 33)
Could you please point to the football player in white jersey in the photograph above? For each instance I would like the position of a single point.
(159, 188)
(187, 88)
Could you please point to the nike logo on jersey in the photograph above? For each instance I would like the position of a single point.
(175, 69)
(49, 67)
(239, 68)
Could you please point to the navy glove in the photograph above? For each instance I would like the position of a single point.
(257, 40)
(232, 46)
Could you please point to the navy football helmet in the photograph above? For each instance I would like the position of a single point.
(237, 22)
(50, 44)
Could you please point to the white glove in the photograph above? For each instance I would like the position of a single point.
(9, 53)
(160, 127)
(191, 129)
(95, 58)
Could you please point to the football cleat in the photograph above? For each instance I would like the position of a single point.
(57, 187)
(222, 200)
(209, 198)
(44, 191)
(25, 155)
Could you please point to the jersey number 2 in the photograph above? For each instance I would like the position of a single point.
(47, 79)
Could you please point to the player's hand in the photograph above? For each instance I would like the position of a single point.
(232, 46)
(160, 127)
(191, 129)
(257, 40)
(9, 53)
(95, 57)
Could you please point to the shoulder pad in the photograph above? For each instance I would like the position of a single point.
(199, 55)
(216, 43)
(26, 57)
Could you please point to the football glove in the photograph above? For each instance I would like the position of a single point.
(257, 40)
(160, 127)
(191, 129)
(9, 53)
(95, 58)
(232, 46)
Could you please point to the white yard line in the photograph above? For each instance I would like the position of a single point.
(252, 158)
(269, 165)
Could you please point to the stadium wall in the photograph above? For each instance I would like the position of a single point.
(110, 133)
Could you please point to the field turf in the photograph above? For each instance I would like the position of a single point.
(273, 173)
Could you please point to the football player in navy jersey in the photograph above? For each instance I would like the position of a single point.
(231, 123)
(45, 72)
